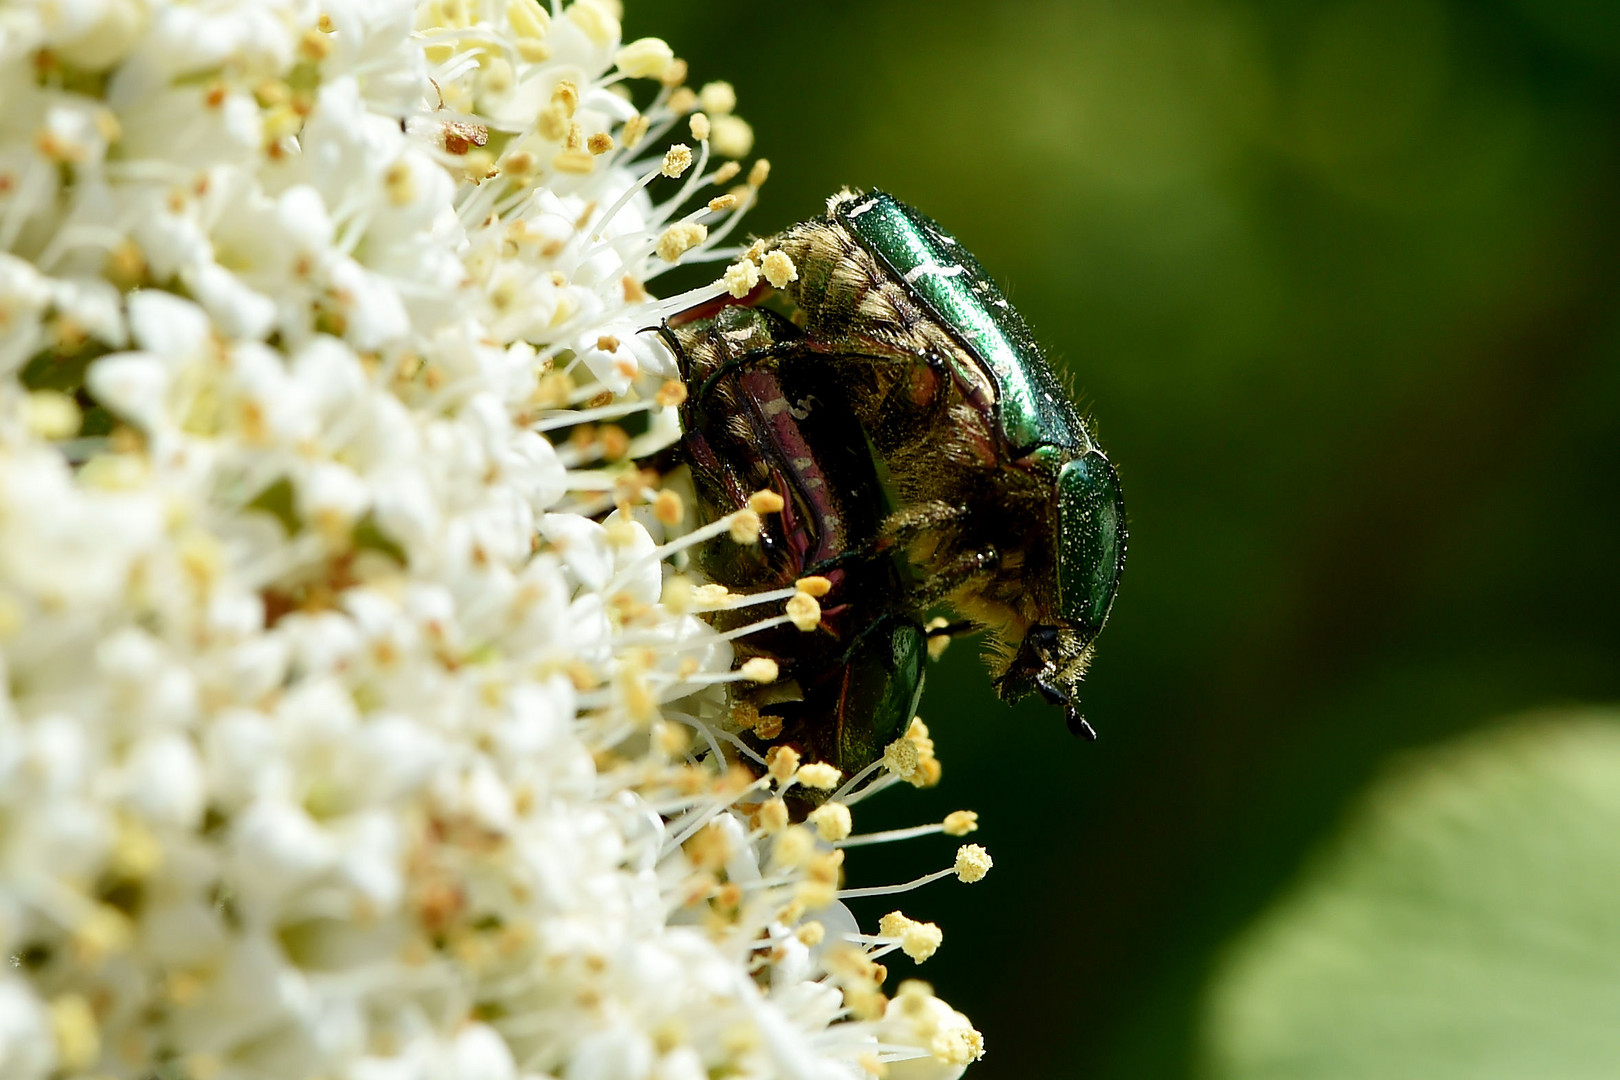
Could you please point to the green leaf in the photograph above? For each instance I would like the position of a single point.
(1465, 924)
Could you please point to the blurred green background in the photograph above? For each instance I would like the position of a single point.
(1338, 282)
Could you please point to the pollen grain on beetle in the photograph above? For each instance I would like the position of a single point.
(365, 712)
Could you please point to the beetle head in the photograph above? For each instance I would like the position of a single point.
(1051, 661)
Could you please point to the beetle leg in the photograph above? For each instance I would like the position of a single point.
(964, 570)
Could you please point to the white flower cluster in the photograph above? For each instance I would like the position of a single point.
(351, 728)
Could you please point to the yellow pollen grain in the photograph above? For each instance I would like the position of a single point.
(721, 203)
(725, 173)
(760, 669)
(972, 862)
(810, 934)
(921, 940)
(575, 139)
(900, 757)
(755, 251)
(519, 164)
(732, 137)
(315, 45)
(671, 394)
(820, 776)
(760, 173)
(773, 816)
(961, 822)
(607, 343)
(781, 763)
(957, 1046)
(634, 130)
(596, 18)
(677, 159)
(575, 162)
(680, 238)
(600, 143)
(711, 595)
(566, 97)
(645, 58)
(929, 770)
(718, 98)
(779, 269)
(746, 527)
(400, 183)
(682, 101)
(699, 124)
(674, 74)
(552, 123)
(741, 277)
(325, 24)
(804, 611)
(814, 585)
(528, 19)
(832, 821)
(615, 442)
(894, 924)
(766, 502)
(634, 291)
(668, 509)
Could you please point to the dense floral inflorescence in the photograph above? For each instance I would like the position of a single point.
(358, 721)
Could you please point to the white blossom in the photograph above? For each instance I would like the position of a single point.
(353, 727)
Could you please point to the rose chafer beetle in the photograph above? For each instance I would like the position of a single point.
(1007, 508)
(926, 453)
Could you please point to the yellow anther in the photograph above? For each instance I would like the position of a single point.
(773, 816)
(804, 611)
(677, 159)
(576, 162)
(760, 669)
(832, 821)
(599, 143)
(741, 277)
(814, 585)
(699, 125)
(644, 58)
(717, 98)
(766, 502)
(746, 527)
(961, 822)
(680, 238)
(972, 862)
(779, 269)
(732, 137)
(668, 508)
(722, 202)
(819, 775)
(781, 763)
(671, 394)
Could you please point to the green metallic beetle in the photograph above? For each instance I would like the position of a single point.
(1007, 509)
